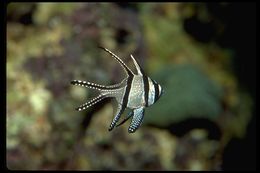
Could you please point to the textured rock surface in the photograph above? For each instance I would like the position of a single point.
(50, 44)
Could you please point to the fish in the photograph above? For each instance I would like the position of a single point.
(135, 91)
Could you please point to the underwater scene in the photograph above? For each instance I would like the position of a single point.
(173, 86)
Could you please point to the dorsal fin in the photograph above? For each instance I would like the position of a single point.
(137, 66)
(125, 67)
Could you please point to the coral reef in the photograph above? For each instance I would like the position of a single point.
(50, 44)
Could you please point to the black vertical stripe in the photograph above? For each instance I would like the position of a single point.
(124, 102)
(146, 89)
(156, 87)
(127, 91)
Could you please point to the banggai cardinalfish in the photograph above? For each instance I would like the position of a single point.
(136, 92)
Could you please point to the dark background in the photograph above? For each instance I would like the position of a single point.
(240, 21)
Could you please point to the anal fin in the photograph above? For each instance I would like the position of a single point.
(126, 118)
(119, 112)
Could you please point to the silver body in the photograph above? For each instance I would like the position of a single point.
(136, 95)
(136, 92)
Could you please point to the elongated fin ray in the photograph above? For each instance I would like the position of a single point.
(137, 120)
(126, 118)
(125, 67)
(95, 86)
(91, 102)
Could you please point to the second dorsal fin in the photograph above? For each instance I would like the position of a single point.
(125, 67)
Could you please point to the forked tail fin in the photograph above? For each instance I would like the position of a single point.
(95, 86)
(91, 102)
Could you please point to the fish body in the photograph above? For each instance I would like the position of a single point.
(135, 92)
